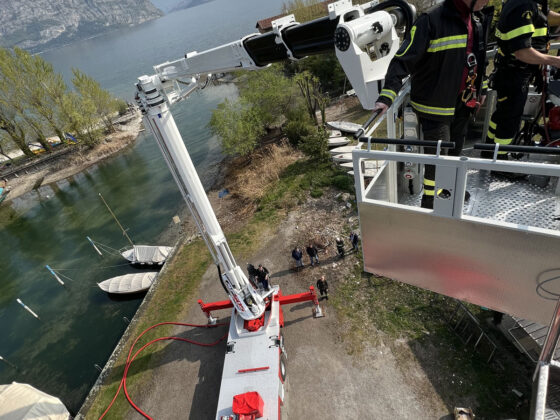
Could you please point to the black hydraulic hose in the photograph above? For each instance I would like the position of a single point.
(362, 130)
(423, 143)
(221, 279)
(519, 149)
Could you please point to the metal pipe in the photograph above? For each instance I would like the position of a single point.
(423, 143)
(526, 149)
(552, 336)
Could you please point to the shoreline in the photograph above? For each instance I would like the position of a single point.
(126, 133)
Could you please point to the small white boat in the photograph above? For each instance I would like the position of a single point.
(345, 149)
(129, 283)
(342, 157)
(368, 164)
(337, 141)
(335, 133)
(147, 254)
(344, 126)
(22, 401)
(368, 173)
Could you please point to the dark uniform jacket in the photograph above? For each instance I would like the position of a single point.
(434, 54)
(522, 25)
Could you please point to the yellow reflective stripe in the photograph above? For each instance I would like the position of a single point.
(490, 135)
(391, 94)
(447, 43)
(492, 124)
(429, 182)
(540, 32)
(429, 192)
(502, 99)
(503, 141)
(412, 32)
(433, 109)
(527, 29)
(485, 84)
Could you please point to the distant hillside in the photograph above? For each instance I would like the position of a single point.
(38, 24)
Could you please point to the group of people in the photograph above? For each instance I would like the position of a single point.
(259, 277)
(444, 53)
(312, 253)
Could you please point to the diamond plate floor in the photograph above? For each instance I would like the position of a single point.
(514, 201)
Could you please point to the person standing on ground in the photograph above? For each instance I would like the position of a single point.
(522, 35)
(297, 255)
(323, 287)
(313, 253)
(445, 55)
(340, 247)
(263, 277)
(354, 239)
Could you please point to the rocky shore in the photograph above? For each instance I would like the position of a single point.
(126, 131)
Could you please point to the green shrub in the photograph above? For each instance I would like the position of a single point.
(343, 182)
(316, 193)
(315, 145)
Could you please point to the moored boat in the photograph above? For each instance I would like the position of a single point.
(342, 157)
(337, 141)
(344, 126)
(129, 283)
(345, 149)
(147, 254)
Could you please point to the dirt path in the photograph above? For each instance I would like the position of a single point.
(126, 133)
(325, 380)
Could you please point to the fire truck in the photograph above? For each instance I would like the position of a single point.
(499, 251)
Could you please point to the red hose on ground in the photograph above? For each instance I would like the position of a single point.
(129, 359)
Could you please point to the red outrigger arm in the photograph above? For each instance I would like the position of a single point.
(207, 308)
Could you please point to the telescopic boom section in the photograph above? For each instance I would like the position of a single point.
(248, 302)
(364, 38)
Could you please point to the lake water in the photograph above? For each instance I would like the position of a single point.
(80, 325)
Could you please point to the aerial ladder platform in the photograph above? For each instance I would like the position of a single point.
(498, 251)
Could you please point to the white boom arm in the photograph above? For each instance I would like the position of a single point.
(365, 40)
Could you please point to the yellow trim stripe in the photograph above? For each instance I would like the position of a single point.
(433, 109)
(540, 32)
(503, 141)
(485, 84)
(492, 124)
(429, 182)
(490, 135)
(412, 32)
(429, 192)
(391, 94)
(527, 29)
(447, 43)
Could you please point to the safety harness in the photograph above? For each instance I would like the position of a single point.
(469, 95)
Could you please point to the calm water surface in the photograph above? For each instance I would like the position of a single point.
(79, 324)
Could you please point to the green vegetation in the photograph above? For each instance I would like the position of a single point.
(35, 103)
(401, 313)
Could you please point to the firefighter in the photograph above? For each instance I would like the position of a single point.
(522, 36)
(445, 54)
